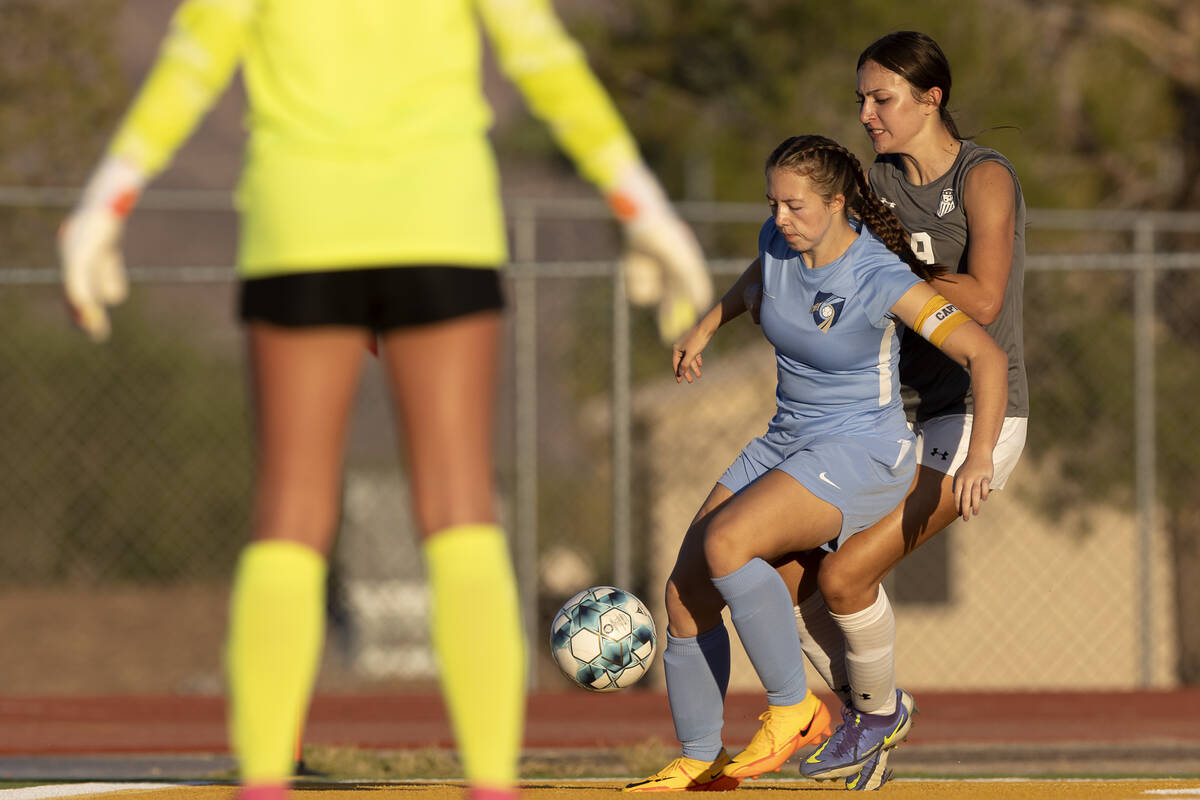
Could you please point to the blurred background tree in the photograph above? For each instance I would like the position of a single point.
(1151, 46)
(1076, 93)
(61, 90)
(109, 484)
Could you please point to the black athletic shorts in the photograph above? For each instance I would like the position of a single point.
(378, 298)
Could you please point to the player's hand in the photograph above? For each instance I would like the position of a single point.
(663, 264)
(972, 484)
(89, 246)
(752, 296)
(686, 359)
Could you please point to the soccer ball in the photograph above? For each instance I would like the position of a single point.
(603, 639)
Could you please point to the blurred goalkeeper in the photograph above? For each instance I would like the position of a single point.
(370, 209)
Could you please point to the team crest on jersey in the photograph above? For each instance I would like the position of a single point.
(947, 204)
(826, 309)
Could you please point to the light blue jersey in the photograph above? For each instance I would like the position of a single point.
(839, 427)
(835, 341)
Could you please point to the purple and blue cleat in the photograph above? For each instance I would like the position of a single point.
(875, 773)
(858, 750)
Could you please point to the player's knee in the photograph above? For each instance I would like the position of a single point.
(724, 545)
(842, 586)
(693, 604)
(673, 602)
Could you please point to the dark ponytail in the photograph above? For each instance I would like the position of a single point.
(917, 58)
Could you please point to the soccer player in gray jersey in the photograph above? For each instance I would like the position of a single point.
(835, 458)
(962, 206)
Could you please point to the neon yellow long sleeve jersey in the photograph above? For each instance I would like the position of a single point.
(367, 122)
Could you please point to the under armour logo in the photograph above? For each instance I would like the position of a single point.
(943, 453)
(865, 695)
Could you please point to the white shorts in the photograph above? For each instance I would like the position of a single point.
(942, 444)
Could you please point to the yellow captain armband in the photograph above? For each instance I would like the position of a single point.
(938, 319)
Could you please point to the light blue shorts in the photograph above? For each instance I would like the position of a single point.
(863, 477)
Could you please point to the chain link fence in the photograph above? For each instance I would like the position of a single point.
(128, 465)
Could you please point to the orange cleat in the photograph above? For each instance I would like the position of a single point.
(688, 775)
(785, 729)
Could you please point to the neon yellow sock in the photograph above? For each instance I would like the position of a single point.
(276, 630)
(478, 638)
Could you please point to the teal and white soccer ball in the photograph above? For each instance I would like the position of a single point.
(603, 639)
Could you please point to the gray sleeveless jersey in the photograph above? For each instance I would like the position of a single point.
(934, 217)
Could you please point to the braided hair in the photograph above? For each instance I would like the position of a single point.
(834, 170)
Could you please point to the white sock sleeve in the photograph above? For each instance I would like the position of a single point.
(871, 655)
(823, 643)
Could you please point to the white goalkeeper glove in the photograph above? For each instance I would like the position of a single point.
(89, 245)
(662, 264)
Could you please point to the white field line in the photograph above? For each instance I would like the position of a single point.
(74, 790)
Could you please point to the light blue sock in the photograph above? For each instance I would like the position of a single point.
(761, 609)
(697, 670)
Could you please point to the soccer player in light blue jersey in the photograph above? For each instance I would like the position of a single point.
(962, 206)
(837, 276)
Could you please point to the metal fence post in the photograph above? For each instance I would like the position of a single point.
(1146, 456)
(622, 431)
(526, 412)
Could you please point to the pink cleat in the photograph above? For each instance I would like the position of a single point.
(263, 791)
(481, 793)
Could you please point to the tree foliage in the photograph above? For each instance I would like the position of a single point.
(60, 93)
(118, 458)
(1089, 117)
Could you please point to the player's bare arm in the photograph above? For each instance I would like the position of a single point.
(686, 361)
(968, 344)
(989, 199)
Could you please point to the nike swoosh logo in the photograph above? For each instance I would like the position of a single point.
(825, 477)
